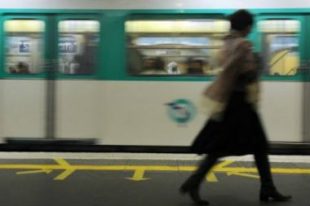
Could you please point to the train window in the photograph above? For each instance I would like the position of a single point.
(174, 47)
(78, 46)
(24, 46)
(280, 46)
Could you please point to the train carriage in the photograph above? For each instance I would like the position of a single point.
(132, 73)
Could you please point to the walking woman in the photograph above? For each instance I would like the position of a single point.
(234, 127)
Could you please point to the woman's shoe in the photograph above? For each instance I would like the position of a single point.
(194, 194)
(271, 193)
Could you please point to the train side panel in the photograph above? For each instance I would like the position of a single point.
(23, 108)
(139, 115)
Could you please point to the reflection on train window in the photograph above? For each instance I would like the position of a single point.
(280, 46)
(174, 47)
(78, 46)
(24, 46)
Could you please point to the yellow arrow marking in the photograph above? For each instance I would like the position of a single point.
(34, 172)
(138, 175)
(223, 164)
(68, 169)
(211, 177)
(243, 175)
(65, 174)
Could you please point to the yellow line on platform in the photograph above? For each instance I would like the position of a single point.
(67, 169)
(145, 167)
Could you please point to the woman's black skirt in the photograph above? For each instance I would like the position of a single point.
(239, 132)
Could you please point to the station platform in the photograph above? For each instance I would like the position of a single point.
(126, 179)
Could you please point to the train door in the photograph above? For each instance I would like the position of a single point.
(281, 42)
(78, 95)
(49, 64)
(23, 61)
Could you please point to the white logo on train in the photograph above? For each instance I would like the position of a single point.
(181, 111)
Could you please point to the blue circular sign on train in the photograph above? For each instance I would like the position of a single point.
(181, 111)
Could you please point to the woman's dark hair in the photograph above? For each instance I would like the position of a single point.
(240, 20)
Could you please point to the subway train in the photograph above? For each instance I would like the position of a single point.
(131, 73)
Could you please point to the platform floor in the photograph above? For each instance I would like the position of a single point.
(55, 179)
